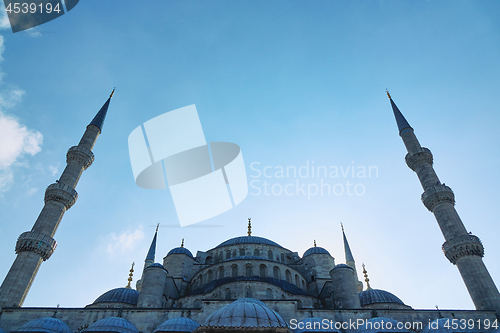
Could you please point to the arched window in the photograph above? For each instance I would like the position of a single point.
(228, 254)
(210, 276)
(221, 272)
(276, 273)
(270, 255)
(228, 293)
(234, 271)
(282, 257)
(197, 304)
(269, 293)
(256, 252)
(248, 271)
(234, 253)
(263, 271)
(208, 261)
(303, 285)
(288, 276)
(297, 281)
(242, 252)
(248, 292)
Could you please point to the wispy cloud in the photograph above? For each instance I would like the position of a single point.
(16, 140)
(125, 241)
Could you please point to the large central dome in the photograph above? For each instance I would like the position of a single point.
(248, 240)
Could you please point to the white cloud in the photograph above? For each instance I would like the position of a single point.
(31, 192)
(125, 241)
(53, 169)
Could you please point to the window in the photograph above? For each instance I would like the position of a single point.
(234, 271)
(282, 257)
(228, 254)
(288, 276)
(228, 293)
(256, 252)
(269, 293)
(248, 271)
(210, 276)
(297, 281)
(276, 273)
(221, 272)
(242, 252)
(262, 271)
(270, 255)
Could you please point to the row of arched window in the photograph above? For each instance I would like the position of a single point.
(249, 271)
(221, 256)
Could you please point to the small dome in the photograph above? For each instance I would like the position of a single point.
(47, 325)
(179, 324)
(112, 324)
(156, 265)
(245, 312)
(180, 250)
(381, 324)
(248, 240)
(438, 326)
(341, 266)
(372, 296)
(316, 250)
(314, 324)
(119, 295)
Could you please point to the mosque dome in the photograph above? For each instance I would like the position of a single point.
(314, 324)
(381, 324)
(46, 325)
(119, 295)
(248, 240)
(372, 296)
(245, 312)
(180, 250)
(178, 324)
(112, 324)
(156, 264)
(438, 326)
(315, 250)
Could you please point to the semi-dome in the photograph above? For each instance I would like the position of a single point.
(245, 312)
(382, 324)
(316, 250)
(442, 325)
(248, 240)
(119, 295)
(46, 325)
(180, 250)
(315, 324)
(178, 324)
(112, 324)
(372, 296)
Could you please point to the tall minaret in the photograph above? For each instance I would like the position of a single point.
(349, 260)
(37, 245)
(150, 257)
(461, 248)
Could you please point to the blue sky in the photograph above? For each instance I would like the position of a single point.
(290, 82)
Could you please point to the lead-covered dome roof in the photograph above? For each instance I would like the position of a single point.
(178, 324)
(112, 324)
(119, 295)
(245, 312)
(180, 250)
(248, 240)
(372, 296)
(316, 250)
(46, 325)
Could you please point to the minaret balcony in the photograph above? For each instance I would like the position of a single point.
(414, 161)
(80, 155)
(62, 193)
(461, 246)
(41, 244)
(436, 195)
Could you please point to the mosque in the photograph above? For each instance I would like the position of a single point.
(248, 283)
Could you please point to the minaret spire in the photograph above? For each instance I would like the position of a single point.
(349, 259)
(101, 115)
(37, 245)
(150, 258)
(367, 280)
(461, 248)
(130, 276)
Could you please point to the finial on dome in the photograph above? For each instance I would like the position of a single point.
(388, 95)
(249, 226)
(367, 280)
(182, 243)
(130, 276)
(314, 243)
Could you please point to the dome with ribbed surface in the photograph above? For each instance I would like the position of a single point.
(372, 296)
(315, 324)
(438, 326)
(119, 295)
(179, 324)
(245, 312)
(248, 240)
(316, 250)
(381, 324)
(46, 325)
(180, 250)
(112, 324)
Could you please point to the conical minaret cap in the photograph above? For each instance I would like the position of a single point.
(152, 249)
(400, 119)
(101, 115)
(347, 249)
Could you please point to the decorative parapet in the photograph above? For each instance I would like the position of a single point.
(61, 193)
(80, 155)
(414, 161)
(461, 246)
(41, 244)
(436, 195)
